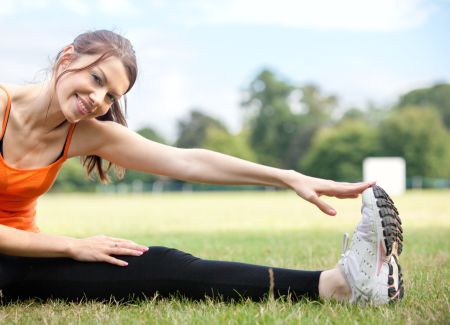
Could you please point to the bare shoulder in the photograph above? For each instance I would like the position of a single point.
(3, 102)
(3, 98)
(89, 135)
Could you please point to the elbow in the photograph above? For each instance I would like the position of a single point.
(190, 164)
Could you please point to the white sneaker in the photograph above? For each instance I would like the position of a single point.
(370, 265)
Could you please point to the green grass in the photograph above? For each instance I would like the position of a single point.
(276, 229)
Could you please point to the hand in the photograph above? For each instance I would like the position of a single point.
(100, 248)
(311, 188)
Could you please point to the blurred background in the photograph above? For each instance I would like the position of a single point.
(315, 86)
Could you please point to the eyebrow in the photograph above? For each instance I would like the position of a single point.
(106, 80)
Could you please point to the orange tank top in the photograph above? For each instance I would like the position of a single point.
(20, 188)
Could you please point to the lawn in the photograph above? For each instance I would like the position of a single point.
(270, 228)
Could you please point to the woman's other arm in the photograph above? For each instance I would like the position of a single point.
(98, 248)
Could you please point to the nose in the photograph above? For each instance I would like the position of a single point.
(96, 97)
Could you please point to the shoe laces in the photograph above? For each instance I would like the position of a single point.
(344, 244)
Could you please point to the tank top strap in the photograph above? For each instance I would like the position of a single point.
(8, 108)
(68, 139)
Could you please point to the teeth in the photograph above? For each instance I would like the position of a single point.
(83, 108)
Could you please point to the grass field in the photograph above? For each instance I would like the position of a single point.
(270, 228)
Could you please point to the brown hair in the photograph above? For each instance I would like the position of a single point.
(106, 44)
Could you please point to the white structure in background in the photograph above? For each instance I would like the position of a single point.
(389, 172)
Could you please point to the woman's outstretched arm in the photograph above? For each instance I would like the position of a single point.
(128, 149)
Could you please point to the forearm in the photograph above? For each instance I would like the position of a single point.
(205, 166)
(23, 243)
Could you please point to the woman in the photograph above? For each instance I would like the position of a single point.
(77, 113)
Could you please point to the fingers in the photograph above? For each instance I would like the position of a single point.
(364, 184)
(128, 244)
(359, 187)
(347, 196)
(106, 249)
(342, 191)
(312, 188)
(324, 207)
(122, 248)
(125, 251)
(348, 190)
(110, 256)
(114, 261)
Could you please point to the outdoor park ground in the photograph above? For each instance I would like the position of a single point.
(270, 228)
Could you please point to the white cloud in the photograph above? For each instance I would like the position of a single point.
(368, 15)
(163, 99)
(158, 45)
(7, 7)
(359, 15)
(170, 84)
(383, 86)
(173, 92)
(159, 98)
(21, 60)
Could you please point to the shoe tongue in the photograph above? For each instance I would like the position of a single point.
(345, 243)
(365, 225)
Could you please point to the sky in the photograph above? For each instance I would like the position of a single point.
(204, 53)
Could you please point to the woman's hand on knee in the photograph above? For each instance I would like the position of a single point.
(104, 249)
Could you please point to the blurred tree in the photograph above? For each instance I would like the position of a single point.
(318, 107)
(203, 131)
(235, 145)
(271, 122)
(192, 132)
(437, 96)
(317, 113)
(372, 114)
(337, 153)
(151, 134)
(420, 137)
(72, 177)
(283, 118)
(354, 113)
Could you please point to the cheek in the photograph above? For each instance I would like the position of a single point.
(103, 111)
(63, 89)
(106, 109)
(60, 94)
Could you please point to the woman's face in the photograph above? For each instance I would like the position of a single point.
(90, 93)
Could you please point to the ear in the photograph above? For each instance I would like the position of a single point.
(66, 57)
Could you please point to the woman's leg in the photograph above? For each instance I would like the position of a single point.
(332, 285)
(161, 270)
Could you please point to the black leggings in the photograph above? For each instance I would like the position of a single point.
(161, 270)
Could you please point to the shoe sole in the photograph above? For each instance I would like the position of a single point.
(396, 290)
(393, 240)
(390, 222)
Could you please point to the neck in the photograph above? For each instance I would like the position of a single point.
(43, 111)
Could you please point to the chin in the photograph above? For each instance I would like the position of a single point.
(71, 118)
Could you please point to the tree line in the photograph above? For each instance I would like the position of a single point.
(299, 127)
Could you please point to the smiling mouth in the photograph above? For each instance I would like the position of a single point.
(81, 107)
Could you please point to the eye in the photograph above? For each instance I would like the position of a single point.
(96, 78)
(111, 98)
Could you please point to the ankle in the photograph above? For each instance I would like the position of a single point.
(332, 285)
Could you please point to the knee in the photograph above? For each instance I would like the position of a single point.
(170, 255)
